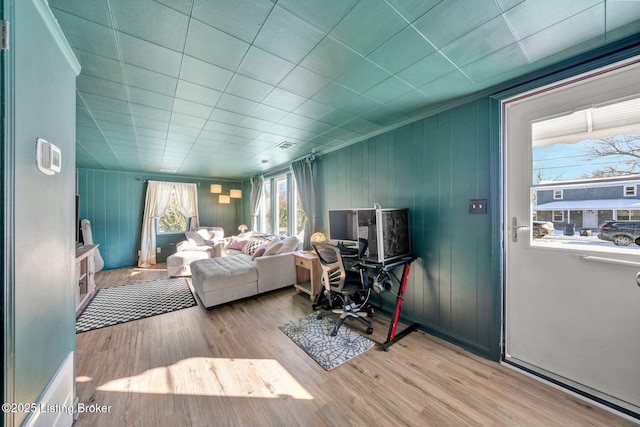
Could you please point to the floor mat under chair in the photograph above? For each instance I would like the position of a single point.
(120, 304)
(313, 335)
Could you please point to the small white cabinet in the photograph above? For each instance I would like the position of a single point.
(85, 276)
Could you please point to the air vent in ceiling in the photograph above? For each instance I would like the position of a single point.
(285, 145)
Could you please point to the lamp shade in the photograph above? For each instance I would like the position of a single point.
(235, 194)
(216, 188)
(318, 237)
(242, 228)
(223, 198)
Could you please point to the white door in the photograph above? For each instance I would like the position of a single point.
(572, 306)
(590, 219)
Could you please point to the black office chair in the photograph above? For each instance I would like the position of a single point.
(347, 288)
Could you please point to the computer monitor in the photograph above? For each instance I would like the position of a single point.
(343, 225)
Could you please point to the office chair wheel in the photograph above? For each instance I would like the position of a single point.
(369, 331)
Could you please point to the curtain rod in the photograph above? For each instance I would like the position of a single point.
(280, 169)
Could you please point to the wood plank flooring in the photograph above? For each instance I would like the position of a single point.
(232, 366)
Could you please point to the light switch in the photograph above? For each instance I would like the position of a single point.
(478, 206)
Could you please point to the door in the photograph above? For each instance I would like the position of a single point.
(572, 304)
(590, 219)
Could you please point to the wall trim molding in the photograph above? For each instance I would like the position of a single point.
(58, 36)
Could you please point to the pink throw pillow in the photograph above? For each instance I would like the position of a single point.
(237, 244)
(260, 251)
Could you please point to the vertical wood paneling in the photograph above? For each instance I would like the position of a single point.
(433, 166)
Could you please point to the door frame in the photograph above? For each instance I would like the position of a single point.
(599, 58)
(7, 211)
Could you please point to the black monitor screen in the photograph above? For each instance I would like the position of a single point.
(343, 225)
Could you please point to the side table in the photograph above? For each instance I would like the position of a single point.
(308, 273)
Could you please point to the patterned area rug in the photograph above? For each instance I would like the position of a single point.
(314, 337)
(125, 303)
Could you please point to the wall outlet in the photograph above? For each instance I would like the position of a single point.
(478, 206)
(158, 250)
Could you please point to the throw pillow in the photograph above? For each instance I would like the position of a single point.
(195, 237)
(290, 245)
(204, 233)
(273, 249)
(260, 251)
(237, 244)
(253, 244)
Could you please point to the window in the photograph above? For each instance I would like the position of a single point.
(557, 194)
(629, 190)
(558, 216)
(172, 221)
(281, 211)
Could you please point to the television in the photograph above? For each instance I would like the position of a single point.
(382, 234)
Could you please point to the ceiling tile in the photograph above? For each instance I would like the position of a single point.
(355, 28)
(426, 70)
(149, 56)
(100, 66)
(362, 76)
(324, 15)
(303, 82)
(204, 74)
(287, 36)
(239, 18)
(404, 49)
(214, 46)
(96, 86)
(389, 89)
(150, 80)
(452, 86)
(236, 104)
(97, 12)
(248, 88)
(268, 113)
(151, 99)
(283, 100)
(150, 113)
(570, 32)
(532, 16)
(495, 64)
(191, 108)
(330, 58)
(187, 120)
(452, 19)
(264, 66)
(182, 6)
(335, 95)
(88, 36)
(411, 10)
(313, 109)
(480, 42)
(163, 26)
(197, 93)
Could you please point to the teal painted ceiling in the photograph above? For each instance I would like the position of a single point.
(212, 87)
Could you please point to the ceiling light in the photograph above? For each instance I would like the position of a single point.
(216, 188)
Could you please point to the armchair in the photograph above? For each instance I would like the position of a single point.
(351, 289)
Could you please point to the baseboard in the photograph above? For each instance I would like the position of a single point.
(56, 405)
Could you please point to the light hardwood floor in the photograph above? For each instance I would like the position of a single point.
(232, 366)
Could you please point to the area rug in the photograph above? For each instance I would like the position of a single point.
(120, 304)
(313, 335)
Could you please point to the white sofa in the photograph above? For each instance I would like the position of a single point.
(236, 275)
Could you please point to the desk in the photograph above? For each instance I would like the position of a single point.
(308, 273)
(405, 263)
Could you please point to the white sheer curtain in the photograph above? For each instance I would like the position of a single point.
(157, 200)
(187, 198)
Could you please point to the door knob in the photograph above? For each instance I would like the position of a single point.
(515, 227)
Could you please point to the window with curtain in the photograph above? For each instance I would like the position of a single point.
(158, 205)
(172, 221)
